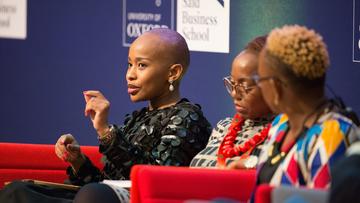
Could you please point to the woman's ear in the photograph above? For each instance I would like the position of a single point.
(277, 92)
(175, 72)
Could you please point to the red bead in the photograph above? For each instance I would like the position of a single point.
(228, 149)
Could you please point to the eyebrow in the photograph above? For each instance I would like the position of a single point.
(140, 59)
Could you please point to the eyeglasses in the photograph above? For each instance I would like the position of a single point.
(240, 88)
(259, 79)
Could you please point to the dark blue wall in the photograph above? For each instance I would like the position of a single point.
(73, 46)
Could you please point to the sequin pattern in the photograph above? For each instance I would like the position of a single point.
(170, 136)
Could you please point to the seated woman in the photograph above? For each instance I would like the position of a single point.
(237, 138)
(170, 131)
(310, 134)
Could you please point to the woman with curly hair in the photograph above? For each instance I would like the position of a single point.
(310, 134)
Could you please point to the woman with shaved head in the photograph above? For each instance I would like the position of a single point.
(169, 131)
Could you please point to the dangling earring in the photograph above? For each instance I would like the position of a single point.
(171, 87)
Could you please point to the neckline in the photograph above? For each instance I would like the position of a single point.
(182, 100)
(279, 139)
(259, 120)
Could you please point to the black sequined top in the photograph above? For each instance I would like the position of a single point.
(169, 136)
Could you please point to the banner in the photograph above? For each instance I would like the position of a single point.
(204, 24)
(140, 16)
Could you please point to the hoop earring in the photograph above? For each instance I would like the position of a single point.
(171, 87)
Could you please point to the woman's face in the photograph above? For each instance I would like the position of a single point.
(147, 73)
(250, 103)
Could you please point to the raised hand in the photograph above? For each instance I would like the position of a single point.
(97, 107)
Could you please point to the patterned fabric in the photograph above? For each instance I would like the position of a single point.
(208, 157)
(308, 162)
(170, 136)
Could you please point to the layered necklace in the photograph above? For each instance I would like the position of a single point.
(228, 149)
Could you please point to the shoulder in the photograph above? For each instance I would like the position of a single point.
(335, 122)
(279, 120)
(279, 124)
(223, 125)
(221, 128)
(185, 104)
(335, 117)
(189, 111)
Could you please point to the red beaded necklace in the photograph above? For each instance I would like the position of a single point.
(227, 147)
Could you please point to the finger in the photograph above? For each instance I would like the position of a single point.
(59, 148)
(68, 139)
(89, 108)
(61, 140)
(73, 148)
(58, 153)
(87, 98)
(65, 157)
(94, 106)
(93, 93)
(62, 154)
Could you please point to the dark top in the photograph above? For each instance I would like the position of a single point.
(267, 170)
(169, 136)
(345, 184)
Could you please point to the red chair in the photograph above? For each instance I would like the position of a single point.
(36, 161)
(263, 193)
(176, 184)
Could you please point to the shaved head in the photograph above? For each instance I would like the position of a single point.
(169, 44)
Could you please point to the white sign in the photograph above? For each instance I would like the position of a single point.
(356, 31)
(204, 24)
(13, 19)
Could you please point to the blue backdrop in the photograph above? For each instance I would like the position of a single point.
(72, 46)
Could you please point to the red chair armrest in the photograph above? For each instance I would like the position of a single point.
(176, 184)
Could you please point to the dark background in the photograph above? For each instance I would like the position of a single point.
(72, 46)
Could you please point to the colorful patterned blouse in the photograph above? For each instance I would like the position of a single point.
(309, 160)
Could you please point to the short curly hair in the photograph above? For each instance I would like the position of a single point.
(302, 50)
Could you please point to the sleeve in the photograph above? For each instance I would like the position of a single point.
(175, 141)
(87, 173)
(328, 147)
(220, 129)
